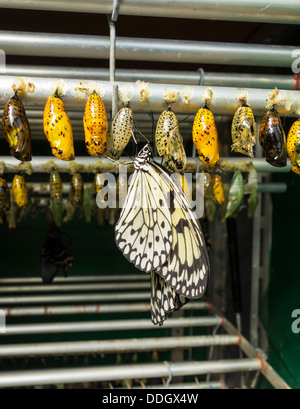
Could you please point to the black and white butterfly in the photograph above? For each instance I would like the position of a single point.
(158, 232)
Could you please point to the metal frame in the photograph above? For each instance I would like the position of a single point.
(224, 102)
(157, 76)
(118, 372)
(84, 46)
(279, 11)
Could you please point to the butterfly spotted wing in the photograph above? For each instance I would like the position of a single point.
(163, 299)
(187, 267)
(178, 251)
(144, 229)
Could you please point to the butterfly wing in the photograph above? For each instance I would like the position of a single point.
(187, 267)
(144, 229)
(163, 299)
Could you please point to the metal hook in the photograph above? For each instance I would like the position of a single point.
(201, 78)
(170, 374)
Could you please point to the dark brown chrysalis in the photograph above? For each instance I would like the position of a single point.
(16, 129)
(272, 139)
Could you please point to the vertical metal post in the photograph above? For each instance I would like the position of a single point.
(112, 54)
(256, 253)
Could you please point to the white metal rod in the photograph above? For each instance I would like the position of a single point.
(223, 101)
(157, 76)
(41, 189)
(263, 11)
(115, 325)
(38, 164)
(194, 385)
(50, 299)
(115, 346)
(76, 279)
(75, 287)
(92, 309)
(117, 372)
(83, 46)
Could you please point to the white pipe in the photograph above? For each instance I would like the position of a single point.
(117, 372)
(115, 346)
(263, 11)
(114, 325)
(76, 279)
(50, 299)
(84, 46)
(223, 100)
(92, 309)
(75, 287)
(194, 385)
(38, 164)
(157, 76)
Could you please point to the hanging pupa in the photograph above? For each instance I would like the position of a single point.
(19, 189)
(293, 146)
(55, 187)
(16, 129)
(169, 142)
(205, 136)
(272, 138)
(4, 196)
(218, 189)
(120, 132)
(76, 190)
(235, 195)
(243, 130)
(58, 128)
(95, 125)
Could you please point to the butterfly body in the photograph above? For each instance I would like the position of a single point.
(95, 125)
(19, 189)
(272, 139)
(4, 196)
(58, 129)
(205, 137)
(243, 131)
(16, 129)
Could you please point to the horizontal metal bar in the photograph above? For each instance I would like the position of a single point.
(76, 279)
(75, 287)
(42, 190)
(157, 76)
(52, 299)
(117, 372)
(263, 11)
(114, 346)
(272, 187)
(223, 100)
(92, 309)
(114, 325)
(251, 352)
(84, 46)
(186, 385)
(38, 164)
